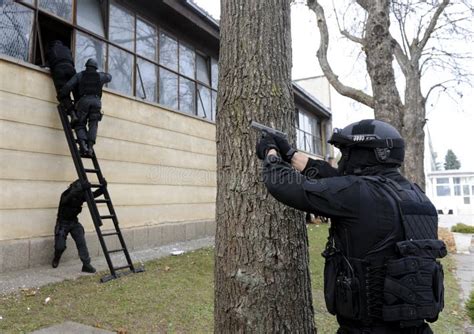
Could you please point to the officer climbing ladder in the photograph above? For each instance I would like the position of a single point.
(87, 90)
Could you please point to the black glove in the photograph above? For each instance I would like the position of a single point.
(284, 147)
(265, 144)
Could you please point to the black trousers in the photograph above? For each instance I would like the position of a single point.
(62, 229)
(88, 113)
(423, 329)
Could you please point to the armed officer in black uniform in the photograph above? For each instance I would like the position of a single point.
(59, 59)
(381, 273)
(89, 84)
(70, 205)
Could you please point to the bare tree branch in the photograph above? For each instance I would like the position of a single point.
(346, 33)
(333, 79)
(418, 48)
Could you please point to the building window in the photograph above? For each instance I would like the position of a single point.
(442, 187)
(88, 47)
(467, 200)
(202, 69)
(121, 27)
(146, 78)
(146, 40)
(214, 73)
(16, 22)
(168, 89)
(187, 95)
(61, 8)
(120, 67)
(308, 132)
(465, 190)
(168, 52)
(90, 16)
(204, 106)
(186, 61)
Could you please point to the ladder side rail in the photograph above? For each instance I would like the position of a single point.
(113, 213)
(88, 194)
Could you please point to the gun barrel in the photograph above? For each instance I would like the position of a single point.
(268, 129)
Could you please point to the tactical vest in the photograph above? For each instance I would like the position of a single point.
(404, 288)
(90, 84)
(70, 209)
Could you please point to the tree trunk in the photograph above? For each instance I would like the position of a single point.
(379, 56)
(262, 280)
(412, 131)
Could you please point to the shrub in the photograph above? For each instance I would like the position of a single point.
(462, 228)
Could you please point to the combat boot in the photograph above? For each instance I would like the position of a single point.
(57, 257)
(88, 268)
(74, 118)
(83, 149)
(91, 150)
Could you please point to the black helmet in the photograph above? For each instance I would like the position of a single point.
(386, 142)
(91, 62)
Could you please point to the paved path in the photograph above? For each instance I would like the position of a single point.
(465, 273)
(70, 327)
(39, 276)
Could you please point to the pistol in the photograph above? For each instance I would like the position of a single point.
(268, 129)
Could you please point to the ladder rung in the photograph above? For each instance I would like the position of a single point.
(109, 234)
(96, 185)
(116, 250)
(123, 267)
(102, 201)
(91, 170)
(107, 217)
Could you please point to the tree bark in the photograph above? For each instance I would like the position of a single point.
(262, 280)
(379, 52)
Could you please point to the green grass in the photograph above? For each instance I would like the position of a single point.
(178, 300)
(470, 307)
(462, 228)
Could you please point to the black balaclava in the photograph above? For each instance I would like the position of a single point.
(360, 161)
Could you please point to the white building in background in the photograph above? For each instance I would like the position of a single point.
(451, 191)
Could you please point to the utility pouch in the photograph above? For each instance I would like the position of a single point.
(347, 297)
(413, 287)
(330, 274)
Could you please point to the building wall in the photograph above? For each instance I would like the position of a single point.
(319, 87)
(160, 164)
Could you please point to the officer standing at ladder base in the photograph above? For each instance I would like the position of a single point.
(89, 84)
(70, 205)
(381, 271)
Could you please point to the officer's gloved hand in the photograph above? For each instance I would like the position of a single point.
(284, 147)
(265, 144)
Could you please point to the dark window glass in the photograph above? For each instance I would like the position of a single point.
(204, 102)
(90, 16)
(214, 73)
(308, 133)
(442, 180)
(89, 47)
(214, 105)
(120, 66)
(187, 95)
(146, 80)
(168, 89)
(457, 190)
(146, 40)
(186, 61)
(168, 52)
(467, 200)
(16, 24)
(465, 190)
(61, 8)
(202, 69)
(121, 27)
(456, 180)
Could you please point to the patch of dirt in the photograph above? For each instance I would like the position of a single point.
(448, 238)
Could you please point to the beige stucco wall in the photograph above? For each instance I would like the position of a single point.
(160, 164)
(319, 87)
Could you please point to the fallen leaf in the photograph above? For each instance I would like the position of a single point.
(28, 292)
(121, 331)
(167, 268)
(47, 300)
